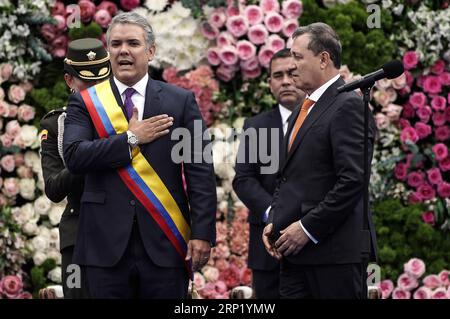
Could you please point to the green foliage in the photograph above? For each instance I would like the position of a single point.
(363, 49)
(196, 5)
(39, 276)
(402, 235)
(92, 30)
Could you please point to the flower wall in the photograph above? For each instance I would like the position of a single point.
(220, 50)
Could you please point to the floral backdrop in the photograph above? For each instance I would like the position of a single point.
(220, 51)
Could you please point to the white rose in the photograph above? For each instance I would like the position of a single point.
(156, 5)
(220, 193)
(42, 205)
(55, 255)
(55, 214)
(38, 258)
(223, 206)
(32, 160)
(239, 123)
(27, 188)
(223, 170)
(40, 243)
(40, 183)
(236, 199)
(44, 231)
(30, 228)
(55, 275)
(28, 135)
(179, 10)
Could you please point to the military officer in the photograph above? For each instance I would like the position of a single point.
(86, 64)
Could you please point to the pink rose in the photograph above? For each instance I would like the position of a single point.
(237, 25)
(408, 111)
(401, 171)
(417, 99)
(4, 109)
(383, 84)
(7, 163)
(444, 190)
(218, 18)
(265, 55)
(87, 10)
(428, 218)
(27, 86)
(442, 133)
(13, 128)
(432, 85)
(13, 109)
(422, 293)
(11, 286)
(129, 5)
(399, 82)
(251, 74)
(228, 55)
(25, 295)
(6, 140)
(444, 165)
(410, 60)
(407, 282)
(439, 119)
(399, 293)
(209, 31)
(426, 191)
(420, 79)
(409, 78)
(61, 25)
(292, 9)
(438, 103)
(24, 172)
(444, 78)
(386, 287)
(232, 11)
(440, 151)
(434, 176)
(382, 121)
(220, 287)
(6, 70)
(250, 64)
(438, 67)
(25, 113)
(246, 276)
(382, 97)
(274, 22)
(415, 267)
(415, 198)
(103, 18)
(199, 281)
(444, 277)
(246, 50)
(393, 111)
(230, 276)
(58, 52)
(108, 6)
(225, 72)
(289, 27)
(213, 56)
(225, 38)
(16, 94)
(415, 179)
(423, 130)
(409, 134)
(269, 6)
(254, 14)
(211, 274)
(439, 293)
(424, 113)
(58, 8)
(276, 42)
(60, 42)
(258, 34)
(221, 264)
(11, 187)
(432, 281)
(392, 94)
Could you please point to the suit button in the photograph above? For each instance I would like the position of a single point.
(132, 202)
(284, 179)
(71, 210)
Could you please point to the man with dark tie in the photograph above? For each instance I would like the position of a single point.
(141, 235)
(252, 184)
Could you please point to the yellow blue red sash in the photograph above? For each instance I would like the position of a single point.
(139, 176)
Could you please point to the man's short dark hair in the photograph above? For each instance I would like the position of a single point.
(322, 38)
(283, 53)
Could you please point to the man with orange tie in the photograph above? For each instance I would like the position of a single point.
(316, 219)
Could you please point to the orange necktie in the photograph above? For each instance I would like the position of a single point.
(299, 121)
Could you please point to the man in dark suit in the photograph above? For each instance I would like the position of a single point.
(140, 233)
(59, 182)
(255, 187)
(316, 220)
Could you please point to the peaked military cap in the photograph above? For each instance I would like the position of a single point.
(87, 59)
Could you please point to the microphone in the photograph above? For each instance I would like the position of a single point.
(390, 70)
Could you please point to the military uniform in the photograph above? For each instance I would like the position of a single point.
(88, 61)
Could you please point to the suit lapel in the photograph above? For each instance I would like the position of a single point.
(327, 98)
(152, 104)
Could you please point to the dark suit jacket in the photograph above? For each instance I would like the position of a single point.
(255, 189)
(59, 182)
(321, 179)
(108, 207)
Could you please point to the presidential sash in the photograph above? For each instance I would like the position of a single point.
(139, 176)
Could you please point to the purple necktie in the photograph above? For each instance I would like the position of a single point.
(128, 102)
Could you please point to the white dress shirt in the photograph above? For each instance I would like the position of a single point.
(138, 97)
(285, 113)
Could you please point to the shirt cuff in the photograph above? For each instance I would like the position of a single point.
(307, 233)
(266, 214)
